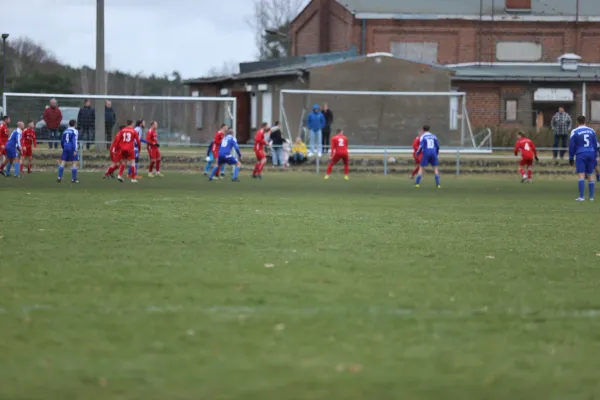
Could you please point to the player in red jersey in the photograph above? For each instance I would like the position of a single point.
(417, 157)
(153, 150)
(339, 151)
(259, 150)
(3, 140)
(28, 143)
(528, 153)
(115, 157)
(217, 143)
(125, 141)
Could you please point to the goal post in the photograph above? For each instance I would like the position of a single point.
(382, 118)
(181, 119)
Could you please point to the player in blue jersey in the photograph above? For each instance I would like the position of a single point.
(68, 142)
(140, 125)
(13, 150)
(228, 144)
(583, 148)
(210, 159)
(430, 149)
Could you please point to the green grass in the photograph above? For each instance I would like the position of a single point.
(297, 288)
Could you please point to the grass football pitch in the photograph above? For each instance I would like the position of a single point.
(298, 288)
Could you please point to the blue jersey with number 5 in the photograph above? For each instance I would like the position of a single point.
(583, 140)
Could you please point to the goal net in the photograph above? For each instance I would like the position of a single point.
(390, 119)
(181, 120)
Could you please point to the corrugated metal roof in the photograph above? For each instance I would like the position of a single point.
(470, 7)
(526, 73)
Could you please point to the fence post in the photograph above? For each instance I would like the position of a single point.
(457, 162)
(385, 161)
(81, 147)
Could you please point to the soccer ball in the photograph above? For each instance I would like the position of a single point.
(392, 160)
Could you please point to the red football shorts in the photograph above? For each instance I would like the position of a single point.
(27, 152)
(526, 162)
(418, 158)
(127, 154)
(260, 155)
(338, 157)
(153, 152)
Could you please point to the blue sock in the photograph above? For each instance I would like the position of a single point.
(213, 172)
(8, 167)
(236, 171)
(592, 187)
(581, 188)
(136, 167)
(437, 179)
(61, 169)
(74, 173)
(598, 177)
(222, 169)
(207, 167)
(17, 168)
(418, 181)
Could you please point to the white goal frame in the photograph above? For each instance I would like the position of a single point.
(465, 125)
(223, 99)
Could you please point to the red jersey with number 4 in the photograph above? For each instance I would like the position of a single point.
(126, 139)
(152, 137)
(259, 141)
(527, 149)
(339, 144)
(28, 138)
(3, 134)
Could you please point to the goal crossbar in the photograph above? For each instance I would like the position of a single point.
(118, 97)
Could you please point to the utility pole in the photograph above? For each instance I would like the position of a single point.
(4, 67)
(100, 76)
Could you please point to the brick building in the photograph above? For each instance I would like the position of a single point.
(504, 51)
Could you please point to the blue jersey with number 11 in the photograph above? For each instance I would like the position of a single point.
(583, 140)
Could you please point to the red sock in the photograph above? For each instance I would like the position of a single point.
(530, 174)
(256, 167)
(151, 166)
(133, 171)
(261, 166)
(415, 171)
(158, 166)
(21, 168)
(121, 169)
(3, 165)
(329, 168)
(522, 171)
(28, 167)
(346, 168)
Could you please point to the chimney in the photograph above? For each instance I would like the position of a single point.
(518, 5)
(569, 62)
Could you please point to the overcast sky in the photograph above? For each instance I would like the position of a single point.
(148, 36)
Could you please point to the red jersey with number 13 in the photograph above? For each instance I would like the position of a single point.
(126, 139)
(527, 148)
(339, 144)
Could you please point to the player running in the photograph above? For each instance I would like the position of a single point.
(583, 147)
(429, 147)
(259, 150)
(28, 143)
(68, 142)
(13, 148)
(115, 157)
(153, 150)
(417, 157)
(126, 140)
(528, 153)
(228, 144)
(339, 151)
(217, 145)
(3, 140)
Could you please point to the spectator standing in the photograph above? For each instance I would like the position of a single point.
(327, 129)
(561, 127)
(315, 122)
(299, 151)
(86, 120)
(276, 142)
(53, 117)
(110, 118)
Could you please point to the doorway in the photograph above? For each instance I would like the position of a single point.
(242, 114)
(548, 110)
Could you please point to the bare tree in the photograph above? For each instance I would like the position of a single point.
(228, 68)
(274, 16)
(28, 55)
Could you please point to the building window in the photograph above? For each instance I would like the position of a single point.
(253, 111)
(267, 107)
(454, 101)
(518, 51)
(199, 110)
(511, 110)
(595, 110)
(426, 51)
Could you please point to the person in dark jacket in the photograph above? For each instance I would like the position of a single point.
(276, 143)
(110, 118)
(86, 120)
(53, 117)
(327, 128)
